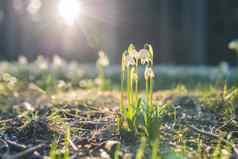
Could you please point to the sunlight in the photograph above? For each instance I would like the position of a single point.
(69, 10)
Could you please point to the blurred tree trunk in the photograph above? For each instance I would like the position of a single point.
(9, 29)
(199, 31)
(165, 32)
(2, 55)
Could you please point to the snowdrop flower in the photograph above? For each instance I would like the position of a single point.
(149, 73)
(233, 45)
(22, 60)
(134, 54)
(41, 63)
(129, 61)
(58, 61)
(150, 50)
(143, 56)
(103, 59)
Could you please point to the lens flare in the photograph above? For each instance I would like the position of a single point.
(69, 10)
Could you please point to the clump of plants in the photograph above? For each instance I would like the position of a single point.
(139, 115)
(7, 84)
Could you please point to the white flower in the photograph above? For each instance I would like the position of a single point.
(129, 60)
(58, 62)
(22, 60)
(233, 45)
(61, 84)
(143, 56)
(103, 59)
(149, 73)
(41, 63)
(134, 54)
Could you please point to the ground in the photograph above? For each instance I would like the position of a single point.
(54, 119)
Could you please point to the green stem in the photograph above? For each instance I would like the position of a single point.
(136, 82)
(136, 91)
(122, 91)
(151, 93)
(147, 90)
(155, 148)
(128, 86)
(132, 91)
(129, 91)
(102, 76)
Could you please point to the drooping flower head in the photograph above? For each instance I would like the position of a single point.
(129, 60)
(132, 51)
(149, 73)
(143, 56)
(22, 60)
(150, 50)
(58, 62)
(233, 45)
(41, 63)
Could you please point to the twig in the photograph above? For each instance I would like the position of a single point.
(21, 146)
(208, 133)
(26, 152)
(226, 123)
(73, 145)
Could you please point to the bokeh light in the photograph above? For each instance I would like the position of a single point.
(34, 6)
(69, 10)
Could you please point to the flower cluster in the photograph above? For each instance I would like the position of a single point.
(134, 57)
(131, 60)
(9, 79)
(7, 83)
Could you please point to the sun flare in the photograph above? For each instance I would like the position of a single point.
(69, 10)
